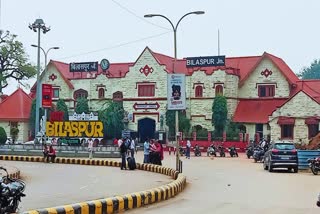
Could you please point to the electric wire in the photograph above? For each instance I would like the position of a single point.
(117, 46)
(137, 16)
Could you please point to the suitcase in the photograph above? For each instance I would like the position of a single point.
(131, 163)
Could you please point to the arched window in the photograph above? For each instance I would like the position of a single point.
(80, 93)
(219, 90)
(199, 91)
(117, 96)
(101, 93)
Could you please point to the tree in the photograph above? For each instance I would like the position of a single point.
(219, 114)
(82, 105)
(62, 106)
(3, 136)
(184, 122)
(112, 118)
(32, 118)
(14, 134)
(311, 72)
(13, 60)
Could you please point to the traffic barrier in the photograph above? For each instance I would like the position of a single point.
(117, 203)
(304, 155)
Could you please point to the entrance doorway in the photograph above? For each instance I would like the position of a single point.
(146, 129)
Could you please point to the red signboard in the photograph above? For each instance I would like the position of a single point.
(56, 116)
(46, 95)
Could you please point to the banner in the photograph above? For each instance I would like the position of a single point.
(176, 92)
(46, 95)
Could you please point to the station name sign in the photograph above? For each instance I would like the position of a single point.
(74, 129)
(205, 61)
(83, 66)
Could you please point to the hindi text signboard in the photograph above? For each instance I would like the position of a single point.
(176, 92)
(205, 61)
(83, 66)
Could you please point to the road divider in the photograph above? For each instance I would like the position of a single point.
(117, 203)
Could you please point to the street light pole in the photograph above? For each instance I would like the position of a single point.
(37, 26)
(174, 28)
(45, 70)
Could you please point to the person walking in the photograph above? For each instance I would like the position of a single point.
(188, 149)
(132, 147)
(123, 152)
(146, 151)
(90, 147)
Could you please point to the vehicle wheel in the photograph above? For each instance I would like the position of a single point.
(270, 167)
(314, 170)
(207, 154)
(295, 169)
(255, 160)
(289, 169)
(237, 155)
(248, 156)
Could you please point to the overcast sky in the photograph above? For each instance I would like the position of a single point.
(116, 30)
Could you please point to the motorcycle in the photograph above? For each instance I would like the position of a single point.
(233, 152)
(182, 151)
(211, 151)
(314, 164)
(249, 151)
(197, 152)
(221, 151)
(11, 192)
(258, 154)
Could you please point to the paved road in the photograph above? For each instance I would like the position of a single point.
(220, 186)
(237, 185)
(51, 185)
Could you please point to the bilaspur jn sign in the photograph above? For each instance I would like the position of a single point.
(205, 61)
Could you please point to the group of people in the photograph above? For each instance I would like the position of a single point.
(127, 149)
(153, 152)
(49, 153)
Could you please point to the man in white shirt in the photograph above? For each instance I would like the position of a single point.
(132, 147)
(90, 147)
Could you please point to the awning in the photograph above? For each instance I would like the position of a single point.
(286, 120)
(312, 120)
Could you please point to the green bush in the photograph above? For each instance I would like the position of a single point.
(3, 136)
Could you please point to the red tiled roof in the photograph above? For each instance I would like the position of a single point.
(241, 66)
(310, 87)
(256, 110)
(16, 107)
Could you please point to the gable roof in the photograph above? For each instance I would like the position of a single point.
(278, 62)
(256, 110)
(16, 107)
(240, 66)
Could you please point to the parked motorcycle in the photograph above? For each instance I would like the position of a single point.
(197, 151)
(221, 151)
(182, 151)
(11, 191)
(258, 154)
(211, 151)
(233, 152)
(314, 164)
(249, 151)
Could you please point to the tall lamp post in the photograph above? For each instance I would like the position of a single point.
(45, 69)
(174, 28)
(38, 26)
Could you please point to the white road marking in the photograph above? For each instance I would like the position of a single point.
(83, 187)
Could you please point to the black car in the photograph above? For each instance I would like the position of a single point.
(281, 155)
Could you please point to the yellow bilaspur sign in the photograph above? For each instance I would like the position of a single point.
(74, 129)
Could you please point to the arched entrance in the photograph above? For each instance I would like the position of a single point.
(146, 129)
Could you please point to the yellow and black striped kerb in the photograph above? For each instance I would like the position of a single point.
(117, 203)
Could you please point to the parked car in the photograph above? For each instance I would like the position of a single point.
(281, 155)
